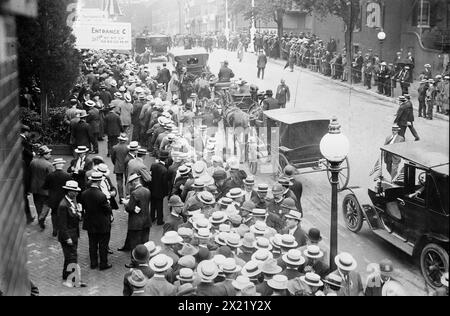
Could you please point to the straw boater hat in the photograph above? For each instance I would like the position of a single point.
(171, 238)
(345, 262)
(207, 271)
(221, 238)
(186, 275)
(250, 180)
(259, 212)
(313, 252)
(294, 215)
(249, 241)
(260, 228)
(333, 280)
(188, 250)
(262, 255)
(203, 233)
(293, 257)
(133, 146)
(202, 223)
(219, 259)
(251, 269)
(137, 278)
(206, 198)
(263, 243)
(285, 182)
(90, 103)
(153, 250)
(278, 282)
(187, 262)
(234, 240)
(225, 201)
(218, 218)
(59, 161)
(72, 186)
(241, 283)
(81, 150)
(161, 263)
(123, 137)
(133, 177)
(270, 267)
(185, 232)
(229, 266)
(96, 176)
(262, 188)
(184, 170)
(103, 168)
(312, 279)
(224, 228)
(288, 241)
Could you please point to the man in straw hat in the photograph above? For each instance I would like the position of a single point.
(137, 281)
(118, 155)
(313, 283)
(68, 226)
(293, 260)
(314, 261)
(207, 270)
(269, 268)
(140, 257)
(97, 221)
(184, 175)
(82, 133)
(138, 209)
(351, 280)
(279, 285)
(315, 238)
(293, 227)
(80, 166)
(40, 168)
(158, 285)
(172, 243)
(54, 183)
(332, 285)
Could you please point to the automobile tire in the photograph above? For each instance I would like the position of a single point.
(433, 263)
(353, 216)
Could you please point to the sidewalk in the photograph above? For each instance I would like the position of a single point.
(361, 89)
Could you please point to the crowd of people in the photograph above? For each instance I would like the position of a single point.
(224, 233)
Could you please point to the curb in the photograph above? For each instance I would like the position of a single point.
(356, 88)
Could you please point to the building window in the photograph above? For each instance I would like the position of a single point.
(422, 14)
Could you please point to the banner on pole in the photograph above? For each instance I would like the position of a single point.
(106, 36)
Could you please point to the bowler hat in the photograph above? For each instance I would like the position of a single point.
(314, 235)
(175, 201)
(140, 254)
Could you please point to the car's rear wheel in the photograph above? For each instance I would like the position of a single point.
(353, 216)
(433, 263)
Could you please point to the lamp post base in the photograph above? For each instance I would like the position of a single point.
(335, 169)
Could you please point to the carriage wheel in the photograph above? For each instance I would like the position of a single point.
(344, 175)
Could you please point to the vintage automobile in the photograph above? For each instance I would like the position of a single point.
(157, 45)
(408, 205)
(195, 60)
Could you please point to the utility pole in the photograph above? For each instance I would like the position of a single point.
(350, 43)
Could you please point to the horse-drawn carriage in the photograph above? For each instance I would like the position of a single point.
(300, 133)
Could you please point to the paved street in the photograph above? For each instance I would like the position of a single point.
(365, 120)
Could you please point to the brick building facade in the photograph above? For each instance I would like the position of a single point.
(13, 255)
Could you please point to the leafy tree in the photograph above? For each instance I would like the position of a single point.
(265, 10)
(47, 54)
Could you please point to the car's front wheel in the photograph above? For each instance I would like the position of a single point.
(433, 263)
(353, 215)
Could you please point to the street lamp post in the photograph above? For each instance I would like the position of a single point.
(334, 146)
(381, 37)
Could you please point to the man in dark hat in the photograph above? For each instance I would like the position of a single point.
(113, 128)
(405, 116)
(261, 64)
(270, 103)
(159, 187)
(69, 217)
(376, 282)
(82, 132)
(225, 73)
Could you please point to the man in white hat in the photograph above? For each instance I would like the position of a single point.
(207, 270)
(137, 166)
(138, 209)
(54, 183)
(158, 285)
(69, 217)
(351, 279)
(126, 110)
(293, 227)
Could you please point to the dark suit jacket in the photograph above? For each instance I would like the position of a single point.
(264, 289)
(81, 176)
(39, 169)
(262, 61)
(164, 76)
(82, 134)
(97, 211)
(119, 154)
(127, 287)
(94, 120)
(113, 124)
(68, 222)
(297, 189)
(403, 115)
(54, 183)
(176, 189)
(209, 289)
(172, 223)
(225, 74)
(171, 174)
(141, 198)
(159, 185)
